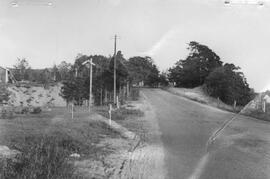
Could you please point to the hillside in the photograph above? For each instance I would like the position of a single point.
(36, 96)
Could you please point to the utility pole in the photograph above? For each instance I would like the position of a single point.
(90, 87)
(90, 80)
(114, 71)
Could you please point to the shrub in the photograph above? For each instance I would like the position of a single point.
(36, 110)
(229, 85)
(6, 113)
(25, 110)
(135, 94)
(123, 113)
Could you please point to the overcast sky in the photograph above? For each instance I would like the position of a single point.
(45, 35)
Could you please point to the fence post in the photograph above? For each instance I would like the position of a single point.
(110, 114)
(117, 102)
(72, 106)
(101, 97)
(234, 105)
(263, 106)
(127, 89)
(218, 101)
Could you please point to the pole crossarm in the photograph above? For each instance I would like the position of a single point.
(89, 61)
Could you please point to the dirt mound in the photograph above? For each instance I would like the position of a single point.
(36, 96)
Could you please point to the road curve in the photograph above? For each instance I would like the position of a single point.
(241, 151)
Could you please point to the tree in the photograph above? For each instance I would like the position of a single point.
(64, 69)
(22, 69)
(143, 69)
(229, 84)
(44, 77)
(192, 71)
(74, 89)
(55, 74)
(163, 79)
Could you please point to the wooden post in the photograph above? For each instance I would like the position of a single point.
(234, 105)
(218, 101)
(72, 108)
(106, 96)
(117, 102)
(127, 89)
(101, 97)
(90, 87)
(110, 114)
(263, 106)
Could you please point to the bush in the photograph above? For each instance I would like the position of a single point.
(135, 94)
(123, 113)
(229, 85)
(25, 110)
(36, 110)
(6, 113)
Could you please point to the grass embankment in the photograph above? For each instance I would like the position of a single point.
(128, 115)
(198, 95)
(46, 142)
(258, 113)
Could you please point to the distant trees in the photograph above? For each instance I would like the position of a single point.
(75, 77)
(143, 69)
(163, 79)
(64, 69)
(103, 77)
(204, 67)
(21, 69)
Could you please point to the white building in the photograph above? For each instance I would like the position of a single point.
(6, 76)
(266, 98)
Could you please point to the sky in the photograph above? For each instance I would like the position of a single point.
(46, 34)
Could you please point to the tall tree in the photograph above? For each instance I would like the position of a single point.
(64, 69)
(192, 71)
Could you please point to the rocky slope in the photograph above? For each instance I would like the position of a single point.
(36, 96)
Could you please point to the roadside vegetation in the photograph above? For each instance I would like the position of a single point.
(203, 67)
(50, 142)
(124, 111)
(75, 76)
(46, 142)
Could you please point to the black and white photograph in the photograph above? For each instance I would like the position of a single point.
(134, 89)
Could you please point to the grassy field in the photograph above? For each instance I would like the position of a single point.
(47, 140)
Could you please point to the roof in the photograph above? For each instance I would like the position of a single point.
(4, 68)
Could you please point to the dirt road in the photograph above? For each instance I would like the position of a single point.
(242, 150)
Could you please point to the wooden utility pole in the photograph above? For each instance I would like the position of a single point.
(114, 71)
(90, 80)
